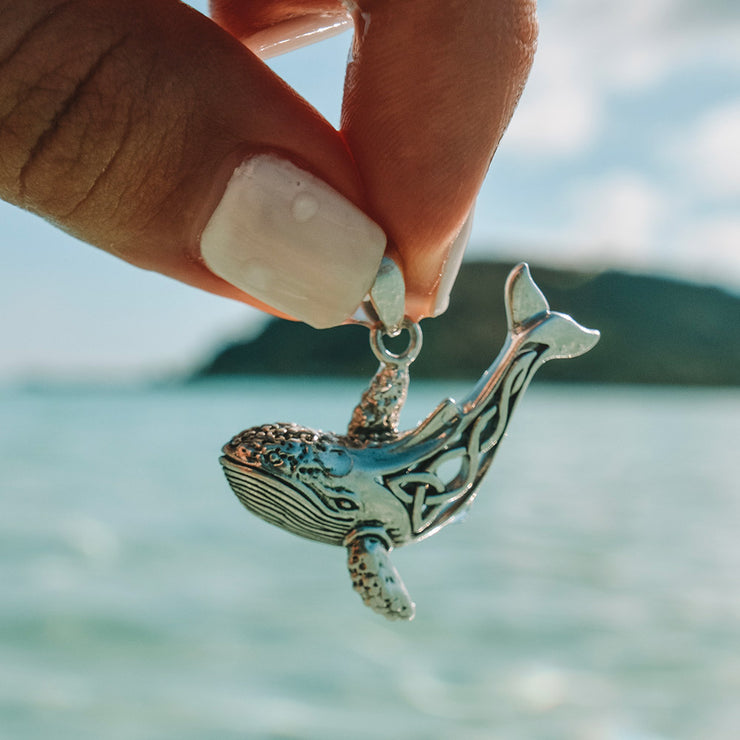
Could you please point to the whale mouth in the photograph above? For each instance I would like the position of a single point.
(290, 506)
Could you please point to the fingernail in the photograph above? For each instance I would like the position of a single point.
(452, 266)
(285, 237)
(296, 33)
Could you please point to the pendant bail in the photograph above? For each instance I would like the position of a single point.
(385, 305)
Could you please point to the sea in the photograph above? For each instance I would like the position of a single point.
(592, 593)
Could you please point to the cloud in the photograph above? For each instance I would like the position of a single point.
(625, 219)
(620, 215)
(591, 53)
(636, 44)
(560, 110)
(709, 249)
(711, 148)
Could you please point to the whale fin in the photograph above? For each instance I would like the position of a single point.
(375, 578)
(529, 317)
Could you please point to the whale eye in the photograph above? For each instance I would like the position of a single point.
(346, 504)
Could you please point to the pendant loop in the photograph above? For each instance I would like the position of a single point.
(408, 355)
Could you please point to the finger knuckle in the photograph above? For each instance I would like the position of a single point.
(58, 129)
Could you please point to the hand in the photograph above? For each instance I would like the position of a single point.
(149, 131)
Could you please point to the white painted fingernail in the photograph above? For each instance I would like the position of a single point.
(285, 237)
(452, 266)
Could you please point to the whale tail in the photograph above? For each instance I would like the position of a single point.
(530, 319)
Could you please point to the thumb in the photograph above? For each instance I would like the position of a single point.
(146, 130)
(430, 89)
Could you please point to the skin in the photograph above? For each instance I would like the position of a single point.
(113, 128)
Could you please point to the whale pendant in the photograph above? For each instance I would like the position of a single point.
(375, 488)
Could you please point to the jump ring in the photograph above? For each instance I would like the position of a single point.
(402, 358)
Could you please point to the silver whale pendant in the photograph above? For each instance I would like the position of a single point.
(373, 488)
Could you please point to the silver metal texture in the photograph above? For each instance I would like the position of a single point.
(388, 297)
(385, 304)
(373, 488)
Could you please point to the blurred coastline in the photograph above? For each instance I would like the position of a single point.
(654, 331)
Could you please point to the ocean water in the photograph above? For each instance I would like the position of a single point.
(593, 593)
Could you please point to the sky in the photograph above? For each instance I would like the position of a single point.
(624, 152)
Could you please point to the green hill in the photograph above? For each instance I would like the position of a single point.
(654, 331)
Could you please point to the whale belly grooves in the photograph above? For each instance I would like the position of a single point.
(286, 506)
